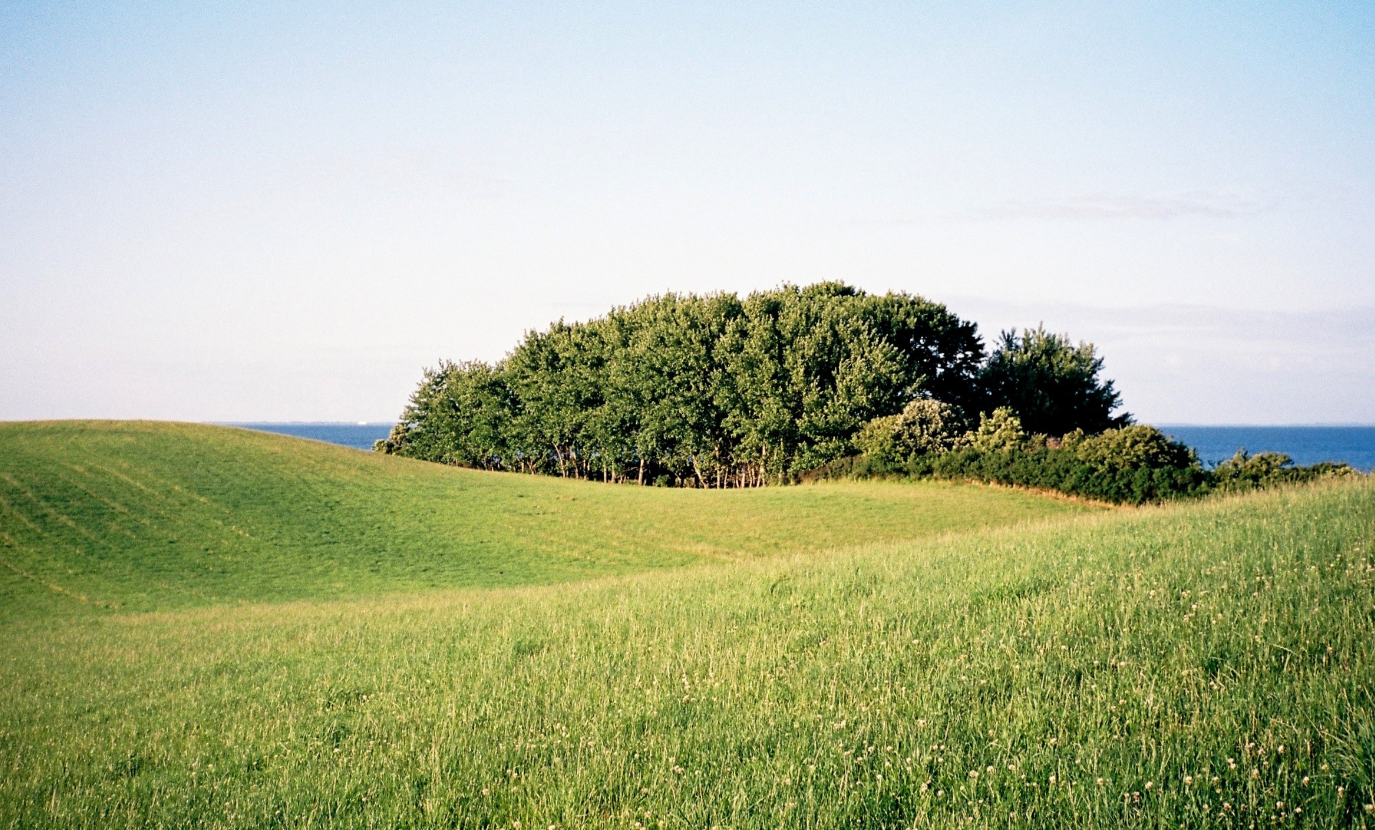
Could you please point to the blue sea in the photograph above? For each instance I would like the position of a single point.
(1306, 445)
(358, 436)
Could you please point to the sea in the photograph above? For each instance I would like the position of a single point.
(1354, 445)
(359, 435)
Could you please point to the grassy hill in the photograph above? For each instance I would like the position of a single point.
(145, 515)
(1200, 665)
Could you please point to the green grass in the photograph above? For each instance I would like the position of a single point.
(148, 516)
(1200, 665)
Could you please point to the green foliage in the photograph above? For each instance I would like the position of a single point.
(707, 391)
(924, 427)
(457, 416)
(1132, 447)
(1047, 468)
(1244, 471)
(1201, 665)
(1129, 465)
(999, 432)
(1052, 385)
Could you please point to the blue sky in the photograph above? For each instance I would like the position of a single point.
(238, 213)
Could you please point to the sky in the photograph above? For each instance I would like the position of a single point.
(241, 211)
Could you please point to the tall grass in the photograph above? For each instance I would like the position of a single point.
(1207, 665)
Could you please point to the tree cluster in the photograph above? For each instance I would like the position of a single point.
(718, 391)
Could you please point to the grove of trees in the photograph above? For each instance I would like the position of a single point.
(718, 391)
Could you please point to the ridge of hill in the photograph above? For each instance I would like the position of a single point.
(141, 515)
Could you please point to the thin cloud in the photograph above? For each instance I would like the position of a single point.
(1089, 208)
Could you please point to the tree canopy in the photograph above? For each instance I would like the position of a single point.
(718, 391)
(1052, 384)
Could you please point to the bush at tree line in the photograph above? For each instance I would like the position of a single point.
(1127, 465)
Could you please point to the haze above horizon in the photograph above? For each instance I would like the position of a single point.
(250, 213)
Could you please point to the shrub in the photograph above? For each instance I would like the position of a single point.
(1000, 432)
(924, 427)
(1244, 471)
(1131, 465)
(1132, 447)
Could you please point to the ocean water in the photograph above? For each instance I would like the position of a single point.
(1306, 445)
(358, 436)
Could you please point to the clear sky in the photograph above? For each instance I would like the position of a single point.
(240, 211)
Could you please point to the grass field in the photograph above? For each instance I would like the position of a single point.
(152, 516)
(1197, 665)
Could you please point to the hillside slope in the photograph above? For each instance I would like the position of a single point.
(1201, 665)
(148, 515)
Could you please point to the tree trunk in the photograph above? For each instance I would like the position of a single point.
(698, 472)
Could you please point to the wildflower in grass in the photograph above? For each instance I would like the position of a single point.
(1305, 781)
(1188, 779)
(1149, 784)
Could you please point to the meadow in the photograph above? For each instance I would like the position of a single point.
(1007, 660)
(142, 516)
